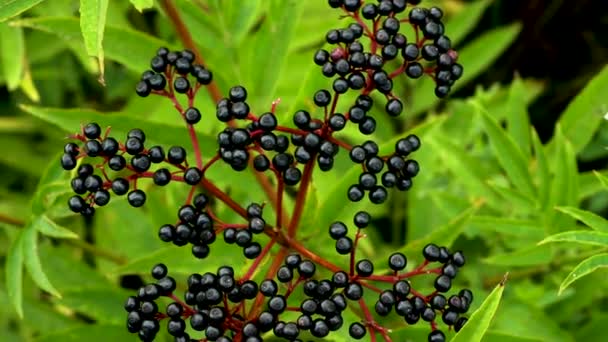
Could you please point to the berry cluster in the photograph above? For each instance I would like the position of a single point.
(130, 160)
(302, 295)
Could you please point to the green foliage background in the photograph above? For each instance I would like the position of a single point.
(488, 185)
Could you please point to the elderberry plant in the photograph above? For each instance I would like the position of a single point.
(301, 295)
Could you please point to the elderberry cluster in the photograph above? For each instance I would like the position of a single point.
(430, 53)
(129, 161)
(173, 67)
(295, 300)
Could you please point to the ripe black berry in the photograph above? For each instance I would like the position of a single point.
(136, 198)
(397, 261)
(193, 176)
(364, 268)
(356, 330)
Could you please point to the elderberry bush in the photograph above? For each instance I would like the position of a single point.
(300, 295)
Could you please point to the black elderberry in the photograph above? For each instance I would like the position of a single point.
(443, 283)
(436, 336)
(239, 110)
(181, 85)
(322, 98)
(92, 130)
(284, 274)
(382, 309)
(450, 270)
(192, 115)
(410, 52)
(161, 177)
(306, 269)
(192, 176)
(401, 288)
(157, 82)
(340, 279)
(431, 252)
(367, 126)
(292, 176)
(414, 70)
(142, 89)
(176, 155)
(76, 204)
(353, 291)
(117, 163)
(374, 164)
(357, 114)
(319, 328)
(71, 149)
(252, 251)
(397, 261)
(355, 193)
(364, 268)
(358, 154)
(321, 57)
(449, 317)
(460, 323)
(136, 198)
(356, 330)
(261, 163)
(362, 219)
(249, 289)
(277, 304)
(134, 146)
(141, 163)
(93, 183)
(101, 197)
(77, 184)
(92, 148)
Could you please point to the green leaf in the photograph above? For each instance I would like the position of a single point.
(93, 333)
(509, 156)
(463, 22)
(518, 121)
(480, 320)
(92, 24)
(141, 5)
(445, 235)
(543, 175)
(584, 268)
(530, 256)
(131, 48)
(579, 236)
(592, 220)
(12, 55)
(470, 170)
(274, 35)
(71, 119)
(564, 187)
(585, 113)
(508, 226)
(32, 261)
(601, 177)
(179, 260)
(14, 274)
(11, 8)
(476, 57)
(49, 228)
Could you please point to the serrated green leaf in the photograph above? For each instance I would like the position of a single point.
(93, 333)
(514, 197)
(102, 304)
(584, 268)
(480, 320)
(49, 228)
(141, 5)
(11, 8)
(14, 274)
(475, 57)
(585, 113)
(92, 25)
(510, 157)
(518, 121)
(32, 260)
(463, 22)
(131, 48)
(12, 55)
(592, 220)
(579, 236)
